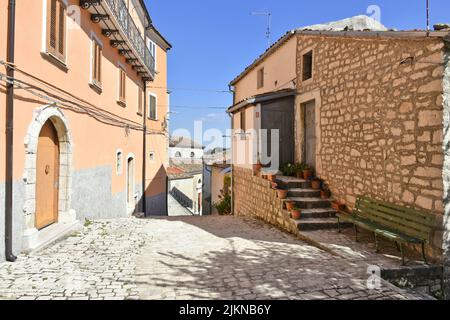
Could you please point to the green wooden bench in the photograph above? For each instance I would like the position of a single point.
(399, 224)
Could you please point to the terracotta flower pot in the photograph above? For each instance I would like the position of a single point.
(316, 184)
(257, 169)
(336, 205)
(296, 214)
(290, 205)
(307, 174)
(282, 194)
(264, 176)
(325, 194)
(271, 177)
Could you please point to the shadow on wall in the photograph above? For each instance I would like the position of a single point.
(183, 199)
(156, 195)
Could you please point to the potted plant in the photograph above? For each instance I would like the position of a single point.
(307, 172)
(257, 166)
(325, 193)
(274, 185)
(299, 170)
(296, 213)
(288, 170)
(271, 177)
(282, 193)
(316, 184)
(290, 205)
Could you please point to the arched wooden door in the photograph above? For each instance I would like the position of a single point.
(47, 177)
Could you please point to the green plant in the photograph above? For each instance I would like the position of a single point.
(224, 205)
(299, 167)
(288, 169)
(87, 223)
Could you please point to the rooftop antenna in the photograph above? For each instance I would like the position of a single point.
(269, 24)
(428, 17)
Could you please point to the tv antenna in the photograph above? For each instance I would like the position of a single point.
(269, 24)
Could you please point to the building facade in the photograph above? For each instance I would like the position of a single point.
(369, 113)
(87, 99)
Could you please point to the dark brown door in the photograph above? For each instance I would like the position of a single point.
(47, 177)
(279, 115)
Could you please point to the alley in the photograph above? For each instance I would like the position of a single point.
(186, 258)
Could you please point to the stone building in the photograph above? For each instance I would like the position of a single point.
(87, 78)
(370, 112)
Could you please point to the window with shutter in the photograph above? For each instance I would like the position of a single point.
(152, 107)
(140, 100)
(122, 86)
(96, 64)
(56, 29)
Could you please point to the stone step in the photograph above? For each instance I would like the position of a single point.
(306, 193)
(310, 203)
(292, 182)
(309, 224)
(319, 213)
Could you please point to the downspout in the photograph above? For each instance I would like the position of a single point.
(9, 137)
(232, 149)
(144, 152)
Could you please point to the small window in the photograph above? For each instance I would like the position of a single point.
(152, 48)
(140, 101)
(56, 29)
(243, 127)
(152, 107)
(260, 78)
(122, 86)
(178, 154)
(96, 63)
(307, 66)
(152, 156)
(119, 162)
(192, 155)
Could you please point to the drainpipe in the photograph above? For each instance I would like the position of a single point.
(9, 135)
(232, 89)
(144, 152)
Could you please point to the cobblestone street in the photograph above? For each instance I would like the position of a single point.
(187, 258)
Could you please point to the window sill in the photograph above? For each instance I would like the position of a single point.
(55, 61)
(139, 114)
(96, 87)
(122, 103)
(307, 81)
(152, 119)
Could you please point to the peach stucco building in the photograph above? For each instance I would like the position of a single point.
(89, 78)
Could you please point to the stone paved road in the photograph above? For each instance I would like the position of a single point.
(186, 258)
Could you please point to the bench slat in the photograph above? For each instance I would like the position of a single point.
(383, 219)
(385, 214)
(407, 213)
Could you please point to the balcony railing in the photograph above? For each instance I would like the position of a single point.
(130, 30)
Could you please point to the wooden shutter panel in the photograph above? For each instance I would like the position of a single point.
(152, 112)
(56, 29)
(51, 26)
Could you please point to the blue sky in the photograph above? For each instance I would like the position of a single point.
(214, 40)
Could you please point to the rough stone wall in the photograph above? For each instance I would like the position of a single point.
(380, 118)
(446, 175)
(253, 196)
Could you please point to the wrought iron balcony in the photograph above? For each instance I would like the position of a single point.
(119, 26)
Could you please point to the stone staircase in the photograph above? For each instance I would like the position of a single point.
(317, 213)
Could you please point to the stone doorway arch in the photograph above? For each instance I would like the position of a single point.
(32, 238)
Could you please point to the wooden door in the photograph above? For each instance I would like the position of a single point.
(279, 115)
(47, 177)
(310, 133)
